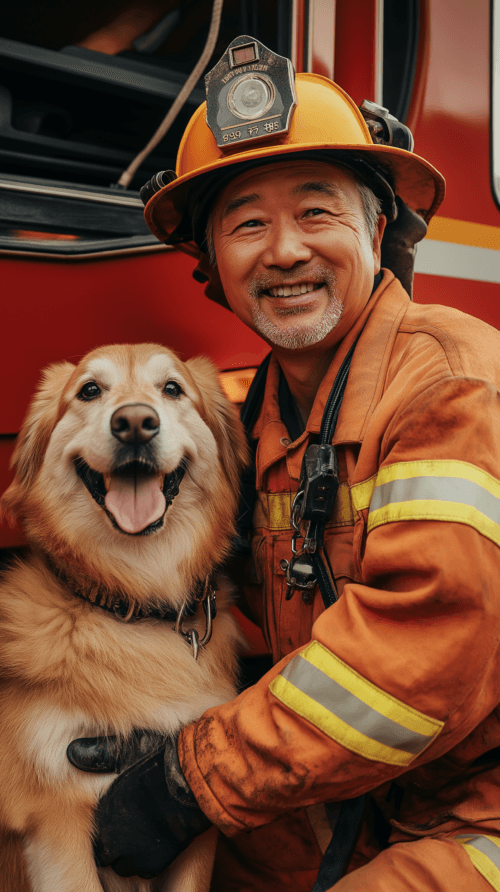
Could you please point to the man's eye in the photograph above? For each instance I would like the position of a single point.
(172, 389)
(314, 212)
(250, 224)
(89, 391)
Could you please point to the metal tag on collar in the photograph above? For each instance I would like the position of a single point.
(208, 599)
(250, 94)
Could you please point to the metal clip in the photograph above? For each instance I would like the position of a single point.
(210, 608)
(299, 574)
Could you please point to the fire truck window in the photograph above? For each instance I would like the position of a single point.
(495, 100)
(401, 28)
(83, 87)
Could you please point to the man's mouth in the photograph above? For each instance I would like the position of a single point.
(135, 496)
(293, 290)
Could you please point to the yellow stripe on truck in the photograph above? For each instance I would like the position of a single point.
(461, 232)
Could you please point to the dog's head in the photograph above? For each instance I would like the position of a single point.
(127, 457)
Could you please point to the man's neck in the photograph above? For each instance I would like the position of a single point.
(304, 374)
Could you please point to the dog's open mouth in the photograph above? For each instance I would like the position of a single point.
(135, 496)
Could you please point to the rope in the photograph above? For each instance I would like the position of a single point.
(178, 103)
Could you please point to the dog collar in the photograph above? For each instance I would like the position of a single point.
(122, 608)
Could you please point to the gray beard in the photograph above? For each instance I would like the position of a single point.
(296, 336)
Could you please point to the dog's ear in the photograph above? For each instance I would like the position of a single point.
(41, 418)
(221, 417)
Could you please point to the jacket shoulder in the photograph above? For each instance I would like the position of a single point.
(466, 345)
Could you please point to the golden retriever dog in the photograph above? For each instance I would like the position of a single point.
(126, 481)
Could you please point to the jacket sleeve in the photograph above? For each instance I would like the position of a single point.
(406, 663)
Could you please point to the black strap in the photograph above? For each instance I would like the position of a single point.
(342, 841)
(254, 397)
(351, 810)
(321, 564)
(334, 401)
(289, 411)
(249, 414)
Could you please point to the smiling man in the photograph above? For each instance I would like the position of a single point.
(297, 251)
(375, 524)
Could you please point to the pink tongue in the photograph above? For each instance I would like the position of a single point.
(135, 504)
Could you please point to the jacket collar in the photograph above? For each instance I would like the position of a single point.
(379, 323)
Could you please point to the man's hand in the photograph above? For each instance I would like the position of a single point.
(149, 814)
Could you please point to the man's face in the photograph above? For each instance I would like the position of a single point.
(293, 252)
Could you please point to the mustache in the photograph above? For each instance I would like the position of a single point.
(316, 274)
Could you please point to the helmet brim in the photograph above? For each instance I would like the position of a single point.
(416, 181)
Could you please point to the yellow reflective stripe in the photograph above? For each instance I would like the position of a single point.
(387, 705)
(438, 468)
(273, 509)
(484, 852)
(361, 493)
(442, 511)
(321, 688)
(439, 490)
(342, 512)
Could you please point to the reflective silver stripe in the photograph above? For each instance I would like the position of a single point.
(441, 489)
(484, 845)
(437, 258)
(350, 709)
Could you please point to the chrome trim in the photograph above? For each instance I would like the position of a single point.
(309, 9)
(379, 57)
(14, 253)
(293, 53)
(62, 192)
(495, 98)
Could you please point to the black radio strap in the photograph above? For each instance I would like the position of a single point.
(324, 573)
(351, 810)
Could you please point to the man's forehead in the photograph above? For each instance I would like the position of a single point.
(296, 177)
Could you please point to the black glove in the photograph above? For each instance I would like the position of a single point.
(149, 814)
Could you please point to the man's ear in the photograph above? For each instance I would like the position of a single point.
(377, 242)
(41, 418)
(221, 417)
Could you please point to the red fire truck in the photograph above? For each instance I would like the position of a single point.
(83, 86)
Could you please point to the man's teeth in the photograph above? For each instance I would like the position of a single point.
(288, 290)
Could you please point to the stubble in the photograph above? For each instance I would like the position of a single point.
(297, 334)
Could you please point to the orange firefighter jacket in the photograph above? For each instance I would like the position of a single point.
(400, 679)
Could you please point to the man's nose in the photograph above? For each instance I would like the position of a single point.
(135, 423)
(286, 246)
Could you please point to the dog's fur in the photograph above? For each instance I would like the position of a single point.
(69, 669)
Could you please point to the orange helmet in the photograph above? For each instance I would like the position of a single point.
(326, 125)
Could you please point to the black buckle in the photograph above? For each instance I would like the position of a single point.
(319, 482)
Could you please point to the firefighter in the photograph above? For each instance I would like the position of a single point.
(393, 690)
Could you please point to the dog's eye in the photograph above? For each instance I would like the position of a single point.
(172, 388)
(89, 391)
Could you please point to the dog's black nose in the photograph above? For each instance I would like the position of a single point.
(135, 423)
